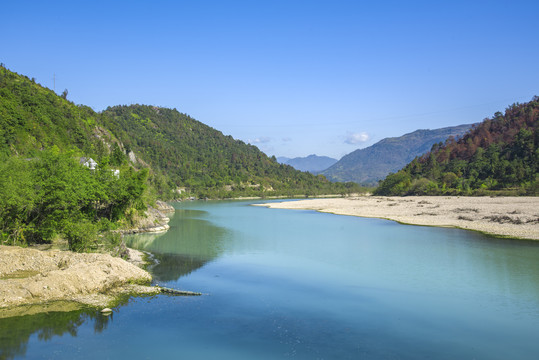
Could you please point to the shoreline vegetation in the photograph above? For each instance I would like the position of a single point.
(508, 217)
(44, 278)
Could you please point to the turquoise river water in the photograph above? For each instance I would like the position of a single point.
(306, 285)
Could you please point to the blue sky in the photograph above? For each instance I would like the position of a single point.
(292, 77)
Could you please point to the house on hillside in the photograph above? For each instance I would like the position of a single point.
(92, 165)
(88, 162)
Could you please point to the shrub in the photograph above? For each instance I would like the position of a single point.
(81, 236)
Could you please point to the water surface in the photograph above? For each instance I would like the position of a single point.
(307, 285)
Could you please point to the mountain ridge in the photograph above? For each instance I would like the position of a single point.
(313, 163)
(369, 165)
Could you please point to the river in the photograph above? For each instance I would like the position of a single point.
(307, 285)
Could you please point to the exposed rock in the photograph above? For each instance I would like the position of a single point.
(29, 276)
(164, 207)
(154, 219)
(132, 157)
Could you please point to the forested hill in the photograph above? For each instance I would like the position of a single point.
(367, 166)
(46, 191)
(202, 159)
(50, 189)
(500, 155)
(33, 118)
(179, 152)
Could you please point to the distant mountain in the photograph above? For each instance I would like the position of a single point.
(283, 160)
(312, 163)
(497, 156)
(367, 166)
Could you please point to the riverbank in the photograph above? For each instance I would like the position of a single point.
(155, 219)
(514, 217)
(30, 276)
(34, 280)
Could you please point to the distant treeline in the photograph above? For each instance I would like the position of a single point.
(498, 156)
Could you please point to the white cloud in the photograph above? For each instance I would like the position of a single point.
(356, 138)
(259, 140)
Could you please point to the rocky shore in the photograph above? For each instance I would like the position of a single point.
(155, 219)
(30, 276)
(62, 280)
(513, 217)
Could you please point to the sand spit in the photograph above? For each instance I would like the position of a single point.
(514, 217)
(30, 276)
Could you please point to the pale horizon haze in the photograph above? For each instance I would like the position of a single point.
(292, 77)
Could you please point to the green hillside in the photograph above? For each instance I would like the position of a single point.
(369, 165)
(201, 159)
(33, 118)
(500, 155)
(45, 189)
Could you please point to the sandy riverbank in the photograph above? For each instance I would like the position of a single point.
(516, 217)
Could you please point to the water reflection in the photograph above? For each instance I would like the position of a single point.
(16, 331)
(170, 267)
(190, 243)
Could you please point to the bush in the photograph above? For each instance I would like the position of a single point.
(81, 236)
(395, 184)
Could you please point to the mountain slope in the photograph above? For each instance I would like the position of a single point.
(33, 118)
(45, 187)
(196, 156)
(312, 163)
(282, 159)
(500, 153)
(179, 151)
(367, 166)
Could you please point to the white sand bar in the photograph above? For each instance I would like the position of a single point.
(515, 217)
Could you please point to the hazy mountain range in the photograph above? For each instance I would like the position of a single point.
(312, 163)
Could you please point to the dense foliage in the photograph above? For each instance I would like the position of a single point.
(44, 191)
(500, 155)
(33, 118)
(53, 194)
(369, 165)
(201, 159)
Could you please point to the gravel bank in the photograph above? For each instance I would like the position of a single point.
(515, 217)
